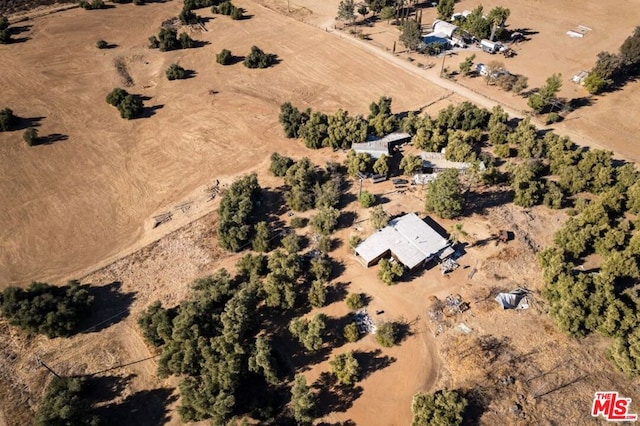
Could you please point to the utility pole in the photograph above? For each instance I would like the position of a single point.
(41, 363)
(444, 55)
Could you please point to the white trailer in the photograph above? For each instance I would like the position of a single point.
(490, 46)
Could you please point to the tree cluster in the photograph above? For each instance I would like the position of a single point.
(307, 188)
(235, 215)
(309, 333)
(167, 39)
(5, 33)
(227, 8)
(130, 106)
(93, 5)
(176, 72)
(489, 26)
(615, 69)
(338, 131)
(258, 59)
(46, 309)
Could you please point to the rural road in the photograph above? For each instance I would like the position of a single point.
(432, 76)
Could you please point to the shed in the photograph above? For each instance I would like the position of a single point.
(408, 239)
(436, 162)
(376, 147)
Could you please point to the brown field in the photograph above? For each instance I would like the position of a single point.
(83, 206)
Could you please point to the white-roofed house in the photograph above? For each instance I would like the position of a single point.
(408, 239)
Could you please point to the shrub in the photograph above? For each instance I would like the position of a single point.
(280, 164)
(175, 72)
(354, 241)
(350, 332)
(224, 57)
(299, 222)
(390, 271)
(30, 136)
(130, 107)
(367, 199)
(116, 96)
(258, 59)
(553, 117)
(346, 368)
(186, 42)
(387, 334)
(355, 301)
(443, 408)
(95, 4)
(7, 120)
(101, 44)
(46, 309)
(187, 17)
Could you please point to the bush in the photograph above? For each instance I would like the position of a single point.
(444, 408)
(95, 4)
(176, 72)
(116, 96)
(355, 301)
(390, 271)
(187, 17)
(101, 44)
(130, 107)
(258, 59)
(350, 332)
(553, 117)
(224, 57)
(387, 334)
(367, 199)
(237, 14)
(299, 222)
(46, 309)
(280, 164)
(30, 136)
(354, 241)
(7, 120)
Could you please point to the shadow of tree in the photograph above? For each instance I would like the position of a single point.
(333, 397)
(336, 292)
(371, 362)
(23, 123)
(51, 139)
(480, 202)
(110, 306)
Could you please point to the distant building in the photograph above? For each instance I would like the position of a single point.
(377, 147)
(408, 239)
(436, 162)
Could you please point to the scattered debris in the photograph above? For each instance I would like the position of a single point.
(464, 328)
(162, 218)
(184, 207)
(364, 323)
(448, 265)
(472, 272)
(454, 305)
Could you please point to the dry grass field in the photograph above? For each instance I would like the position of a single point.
(82, 207)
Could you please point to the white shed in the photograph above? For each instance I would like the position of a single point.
(443, 27)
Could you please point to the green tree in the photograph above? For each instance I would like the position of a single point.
(381, 166)
(367, 199)
(445, 9)
(176, 72)
(156, 324)
(350, 332)
(389, 271)
(116, 96)
(235, 213)
(303, 401)
(410, 164)
(346, 368)
(301, 178)
(387, 13)
(262, 360)
(594, 83)
(379, 218)
(346, 11)
(387, 334)
(442, 408)
(411, 34)
(258, 59)
(538, 101)
(521, 83)
(225, 57)
(321, 267)
(465, 66)
(317, 294)
(291, 243)
(326, 220)
(30, 136)
(280, 164)
(64, 403)
(261, 238)
(355, 301)
(188, 17)
(292, 119)
(444, 195)
(357, 163)
(185, 41)
(101, 44)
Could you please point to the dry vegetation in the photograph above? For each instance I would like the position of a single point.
(90, 200)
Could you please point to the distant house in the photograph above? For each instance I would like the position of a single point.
(408, 239)
(435, 162)
(377, 147)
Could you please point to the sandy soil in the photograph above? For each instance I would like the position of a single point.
(80, 201)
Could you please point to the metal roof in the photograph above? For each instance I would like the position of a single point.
(376, 147)
(437, 160)
(409, 238)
